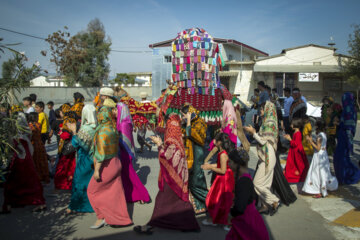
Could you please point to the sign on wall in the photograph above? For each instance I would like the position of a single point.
(308, 77)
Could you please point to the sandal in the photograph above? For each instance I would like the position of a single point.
(139, 230)
(317, 196)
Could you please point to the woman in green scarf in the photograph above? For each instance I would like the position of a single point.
(105, 190)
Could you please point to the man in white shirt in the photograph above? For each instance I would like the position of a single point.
(27, 105)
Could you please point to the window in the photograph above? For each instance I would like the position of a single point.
(333, 84)
(167, 59)
(230, 57)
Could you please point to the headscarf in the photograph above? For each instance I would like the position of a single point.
(173, 167)
(79, 104)
(105, 144)
(69, 117)
(349, 118)
(268, 131)
(125, 127)
(24, 132)
(88, 124)
(109, 103)
(229, 115)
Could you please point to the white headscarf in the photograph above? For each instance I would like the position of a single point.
(88, 124)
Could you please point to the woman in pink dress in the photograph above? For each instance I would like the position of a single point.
(134, 189)
(105, 190)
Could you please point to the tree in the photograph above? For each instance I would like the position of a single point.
(67, 55)
(123, 78)
(15, 76)
(95, 68)
(83, 57)
(351, 67)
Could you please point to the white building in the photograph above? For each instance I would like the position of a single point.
(43, 81)
(315, 69)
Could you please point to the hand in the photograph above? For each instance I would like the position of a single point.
(71, 127)
(206, 166)
(250, 129)
(157, 140)
(97, 175)
(287, 137)
(308, 138)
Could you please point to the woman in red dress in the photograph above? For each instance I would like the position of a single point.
(65, 168)
(22, 186)
(297, 164)
(220, 197)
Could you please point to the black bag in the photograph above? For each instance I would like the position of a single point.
(68, 148)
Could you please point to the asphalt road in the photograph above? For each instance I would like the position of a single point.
(298, 221)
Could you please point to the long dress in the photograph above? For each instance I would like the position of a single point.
(107, 196)
(195, 141)
(346, 172)
(319, 178)
(297, 164)
(134, 189)
(247, 223)
(22, 186)
(172, 208)
(65, 168)
(79, 201)
(220, 197)
(39, 156)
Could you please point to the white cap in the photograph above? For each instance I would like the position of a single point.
(105, 91)
(143, 95)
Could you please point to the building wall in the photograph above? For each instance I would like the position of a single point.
(235, 52)
(242, 83)
(161, 71)
(61, 95)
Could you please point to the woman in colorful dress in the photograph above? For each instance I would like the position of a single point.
(319, 178)
(22, 186)
(247, 223)
(307, 132)
(135, 191)
(105, 190)
(220, 197)
(297, 164)
(194, 132)
(266, 149)
(82, 142)
(78, 105)
(172, 208)
(346, 172)
(39, 156)
(65, 167)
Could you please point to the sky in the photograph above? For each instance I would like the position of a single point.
(131, 25)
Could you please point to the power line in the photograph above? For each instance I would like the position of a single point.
(24, 34)
(41, 38)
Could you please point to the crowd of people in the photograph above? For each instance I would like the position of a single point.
(96, 154)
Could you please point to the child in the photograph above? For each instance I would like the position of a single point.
(319, 178)
(39, 155)
(306, 132)
(55, 125)
(33, 98)
(220, 197)
(297, 164)
(52, 116)
(247, 222)
(43, 120)
(27, 104)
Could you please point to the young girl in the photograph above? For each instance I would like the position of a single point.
(319, 178)
(297, 164)
(247, 222)
(39, 156)
(220, 196)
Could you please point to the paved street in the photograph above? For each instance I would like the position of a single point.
(335, 217)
